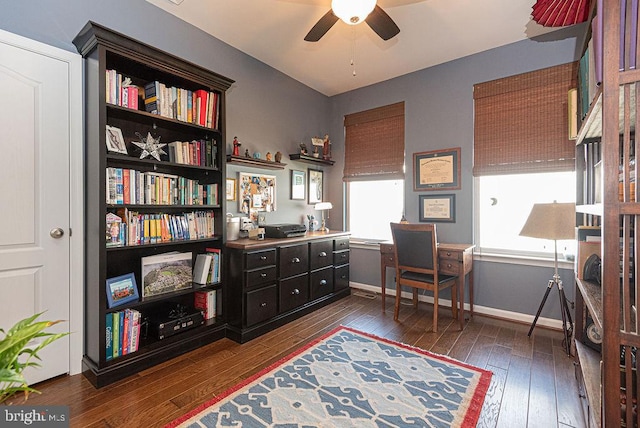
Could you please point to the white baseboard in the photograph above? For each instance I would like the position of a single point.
(481, 310)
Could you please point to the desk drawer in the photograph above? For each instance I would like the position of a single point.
(387, 249)
(260, 276)
(294, 292)
(320, 254)
(449, 266)
(294, 260)
(340, 244)
(389, 260)
(341, 257)
(258, 259)
(321, 283)
(261, 304)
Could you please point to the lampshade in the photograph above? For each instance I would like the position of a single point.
(352, 11)
(551, 221)
(323, 206)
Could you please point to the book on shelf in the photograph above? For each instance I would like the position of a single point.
(201, 268)
(216, 265)
(122, 333)
(206, 301)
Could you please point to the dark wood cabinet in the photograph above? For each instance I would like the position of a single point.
(306, 279)
(113, 60)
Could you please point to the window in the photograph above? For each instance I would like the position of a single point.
(522, 155)
(503, 204)
(374, 171)
(372, 205)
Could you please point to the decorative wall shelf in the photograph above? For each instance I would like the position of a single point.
(258, 163)
(310, 159)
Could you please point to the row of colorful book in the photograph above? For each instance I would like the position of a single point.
(129, 186)
(196, 152)
(121, 91)
(206, 269)
(199, 107)
(123, 333)
(128, 228)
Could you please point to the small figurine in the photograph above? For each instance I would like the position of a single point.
(326, 148)
(236, 146)
(316, 153)
(246, 153)
(303, 149)
(278, 157)
(269, 157)
(256, 155)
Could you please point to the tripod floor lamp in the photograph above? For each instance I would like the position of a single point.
(553, 221)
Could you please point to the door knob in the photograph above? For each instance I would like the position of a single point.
(56, 233)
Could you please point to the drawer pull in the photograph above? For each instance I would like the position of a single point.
(343, 277)
(263, 257)
(295, 260)
(448, 253)
(323, 282)
(263, 275)
(344, 256)
(295, 292)
(449, 265)
(322, 254)
(263, 304)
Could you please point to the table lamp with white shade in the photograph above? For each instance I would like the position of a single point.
(323, 206)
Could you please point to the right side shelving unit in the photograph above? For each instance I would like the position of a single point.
(606, 202)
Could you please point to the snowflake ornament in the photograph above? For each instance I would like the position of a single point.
(150, 146)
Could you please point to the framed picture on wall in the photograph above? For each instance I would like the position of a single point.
(231, 189)
(315, 186)
(256, 192)
(437, 170)
(437, 208)
(298, 185)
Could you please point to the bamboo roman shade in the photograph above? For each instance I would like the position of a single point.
(374, 144)
(521, 123)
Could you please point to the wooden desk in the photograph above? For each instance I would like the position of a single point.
(454, 259)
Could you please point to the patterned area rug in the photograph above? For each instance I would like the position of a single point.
(348, 378)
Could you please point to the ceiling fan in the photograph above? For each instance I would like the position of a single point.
(353, 12)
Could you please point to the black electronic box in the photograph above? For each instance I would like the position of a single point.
(174, 318)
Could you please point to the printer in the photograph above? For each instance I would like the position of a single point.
(284, 230)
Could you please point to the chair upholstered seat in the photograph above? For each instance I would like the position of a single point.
(427, 277)
(416, 258)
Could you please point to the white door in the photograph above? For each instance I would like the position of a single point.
(34, 196)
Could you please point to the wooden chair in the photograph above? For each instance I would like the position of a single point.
(416, 256)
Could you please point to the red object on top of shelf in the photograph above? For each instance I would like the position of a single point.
(560, 13)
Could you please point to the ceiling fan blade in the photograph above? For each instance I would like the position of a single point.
(322, 26)
(382, 23)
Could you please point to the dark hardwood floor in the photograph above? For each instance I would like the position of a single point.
(533, 383)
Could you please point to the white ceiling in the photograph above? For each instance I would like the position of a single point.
(431, 32)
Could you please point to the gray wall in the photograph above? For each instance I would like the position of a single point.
(439, 115)
(269, 111)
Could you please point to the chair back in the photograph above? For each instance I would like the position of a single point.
(415, 246)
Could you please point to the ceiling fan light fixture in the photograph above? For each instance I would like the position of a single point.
(352, 12)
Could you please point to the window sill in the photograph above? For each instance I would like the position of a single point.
(522, 260)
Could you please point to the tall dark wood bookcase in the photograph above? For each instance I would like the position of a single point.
(608, 197)
(104, 50)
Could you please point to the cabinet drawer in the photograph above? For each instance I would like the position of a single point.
(294, 260)
(448, 266)
(341, 257)
(261, 304)
(294, 292)
(389, 260)
(321, 282)
(454, 256)
(260, 276)
(320, 254)
(258, 259)
(341, 277)
(340, 244)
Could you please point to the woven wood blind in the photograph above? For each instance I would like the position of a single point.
(374, 144)
(521, 123)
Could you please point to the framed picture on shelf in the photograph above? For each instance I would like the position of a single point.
(231, 189)
(115, 140)
(298, 186)
(122, 289)
(437, 208)
(437, 170)
(166, 273)
(315, 186)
